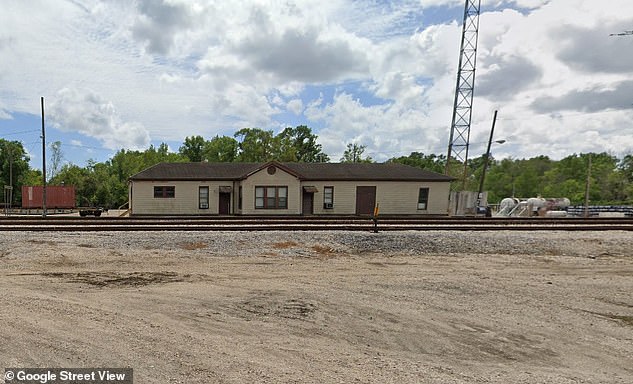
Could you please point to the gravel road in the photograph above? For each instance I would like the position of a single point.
(322, 307)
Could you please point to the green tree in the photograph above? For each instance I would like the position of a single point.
(529, 176)
(284, 148)
(300, 144)
(626, 167)
(30, 177)
(604, 183)
(255, 145)
(568, 178)
(57, 157)
(80, 178)
(124, 164)
(193, 148)
(105, 184)
(430, 162)
(623, 180)
(474, 171)
(14, 163)
(517, 178)
(221, 149)
(354, 154)
(500, 180)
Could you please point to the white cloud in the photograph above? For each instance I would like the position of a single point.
(5, 115)
(530, 3)
(295, 106)
(85, 112)
(438, 3)
(387, 130)
(380, 74)
(157, 22)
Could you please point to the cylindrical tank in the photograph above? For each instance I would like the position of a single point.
(556, 214)
(508, 203)
(558, 202)
(536, 202)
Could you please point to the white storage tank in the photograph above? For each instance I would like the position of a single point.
(537, 202)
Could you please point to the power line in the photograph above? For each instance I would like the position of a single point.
(19, 132)
(558, 116)
(87, 147)
(430, 151)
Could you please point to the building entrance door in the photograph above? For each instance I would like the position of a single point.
(225, 203)
(365, 200)
(308, 203)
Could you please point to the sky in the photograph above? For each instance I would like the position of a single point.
(123, 74)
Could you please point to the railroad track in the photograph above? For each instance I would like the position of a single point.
(309, 224)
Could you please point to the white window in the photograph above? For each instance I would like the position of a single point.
(328, 197)
(271, 197)
(423, 198)
(203, 197)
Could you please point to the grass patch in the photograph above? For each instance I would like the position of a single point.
(118, 279)
(323, 251)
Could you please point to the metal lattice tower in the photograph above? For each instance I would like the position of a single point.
(462, 108)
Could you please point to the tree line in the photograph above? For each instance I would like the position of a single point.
(106, 184)
(610, 179)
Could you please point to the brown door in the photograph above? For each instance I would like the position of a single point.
(308, 203)
(225, 203)
(365, 200)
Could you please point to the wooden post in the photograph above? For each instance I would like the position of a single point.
(375, 217)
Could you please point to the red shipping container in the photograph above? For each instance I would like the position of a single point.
(56, 196)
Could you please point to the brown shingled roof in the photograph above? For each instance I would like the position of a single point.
(304, 171)
(364, 171)
(196, 171)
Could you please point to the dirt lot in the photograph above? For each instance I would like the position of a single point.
(406, 307)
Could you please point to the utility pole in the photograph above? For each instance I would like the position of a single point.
(462, 107)
(43, 163)
(587, 188)
(10, 153)
(8, 189)
(483, 174)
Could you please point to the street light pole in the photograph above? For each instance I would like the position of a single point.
(483, 174)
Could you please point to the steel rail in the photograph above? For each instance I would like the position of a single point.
(311, 224)
(303, 219)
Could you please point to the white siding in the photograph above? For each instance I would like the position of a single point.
(394, 198)
(261, 179)
(185, 201)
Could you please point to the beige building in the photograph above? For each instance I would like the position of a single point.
(275, 188)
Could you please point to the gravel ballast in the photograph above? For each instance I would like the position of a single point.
(315, 307)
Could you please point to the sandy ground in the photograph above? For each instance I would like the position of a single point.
(310, 308)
